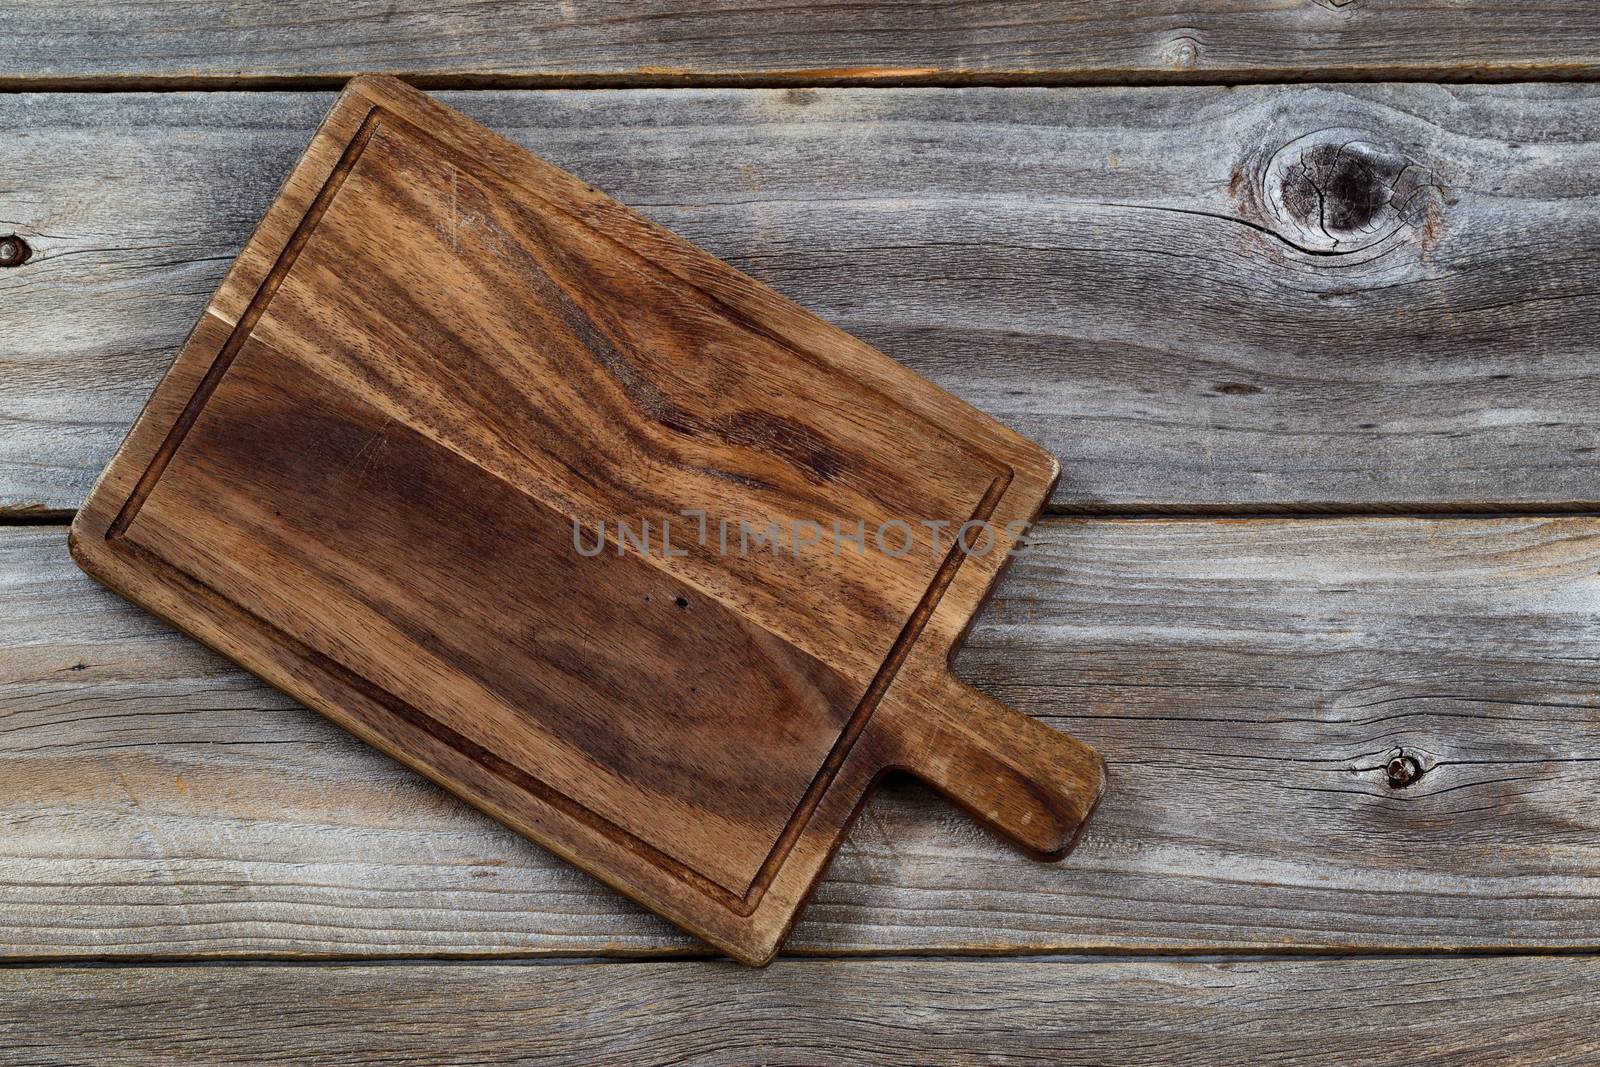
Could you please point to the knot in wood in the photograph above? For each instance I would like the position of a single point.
(1336, 192)
(14, 251)
(1181, 53)
(1402, 769)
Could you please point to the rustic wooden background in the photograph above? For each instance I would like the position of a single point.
(1304, 293)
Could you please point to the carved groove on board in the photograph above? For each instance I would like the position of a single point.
(242, 329)
(869, 701)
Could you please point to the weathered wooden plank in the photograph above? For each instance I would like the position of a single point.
(1257, 297)
(1247, 681)
(1398, 1011)
(587, 42)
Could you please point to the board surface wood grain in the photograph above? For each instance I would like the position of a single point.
(1084, 265)
(367, 474)
(1246, 681)
(592, 42)
(1400, 1012)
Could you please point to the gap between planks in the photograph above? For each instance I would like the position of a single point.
(1208, 954)
(1221, 511)
(816, 79)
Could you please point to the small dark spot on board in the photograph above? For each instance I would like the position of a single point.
(1499, 377)
(800, 97)
(1237, 389)
(1366, 426)
(14, 251)
(682, 603)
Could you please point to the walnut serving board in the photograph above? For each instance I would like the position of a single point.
(605, 537)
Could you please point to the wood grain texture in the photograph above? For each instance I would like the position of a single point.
(438, 358)
(1247, 681)
(1134, 278)
(1403, 1012)
(592, 42)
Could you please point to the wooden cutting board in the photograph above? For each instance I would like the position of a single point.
(593, 530)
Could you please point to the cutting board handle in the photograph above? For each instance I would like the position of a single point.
(1011, 772)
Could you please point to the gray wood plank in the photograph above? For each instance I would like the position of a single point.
(101, 42)
(1247, 681)
(1399, 1011)
(1368, 297)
